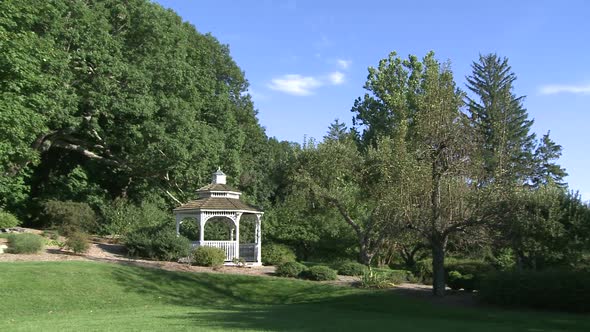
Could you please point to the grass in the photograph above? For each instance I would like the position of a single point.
(75, 296)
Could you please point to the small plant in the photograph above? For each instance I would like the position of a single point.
(276, 254)
(320, 273)
(352, 269)
(373, 279)
(208, 256)
(26, 243)
(290, 269)
(53, 235)
(77, 242)
(239, 262)
(8, 220)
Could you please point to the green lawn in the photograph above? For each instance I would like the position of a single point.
(83, 296)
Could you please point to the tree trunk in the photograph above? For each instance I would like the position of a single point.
(438, 269)
(365, 256)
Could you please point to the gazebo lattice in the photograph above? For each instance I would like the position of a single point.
(219, 200)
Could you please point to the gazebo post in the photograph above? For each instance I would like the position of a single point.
(201, 228)
(238, 217)
(258, 239)
(178, 219)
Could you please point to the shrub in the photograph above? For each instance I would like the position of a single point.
(277, 254)
(399, 276)
(471, 272)
(8, 220)
(208, 256)
(122, 217)
(375, 279)
(423, 271)
(77, 242)
(157, 242)
(352, 269)
(562, 290)
(456, 281)
(290, 269)
(320, 273)
(25, 243)
(70, 217)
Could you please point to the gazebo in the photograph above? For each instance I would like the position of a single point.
(218, 200)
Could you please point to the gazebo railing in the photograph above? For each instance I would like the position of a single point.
(247, 250)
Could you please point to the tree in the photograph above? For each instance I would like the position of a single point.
(500, 120)
(337, 174)
(128, 94)
(336, 131)
(545, 170)
(419, 106)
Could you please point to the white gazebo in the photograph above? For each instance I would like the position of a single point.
(218, 200)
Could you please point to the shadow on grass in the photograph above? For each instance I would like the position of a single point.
(244, 302)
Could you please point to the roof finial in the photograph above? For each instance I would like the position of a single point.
(219, 177)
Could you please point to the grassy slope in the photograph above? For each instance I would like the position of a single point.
(86, 296)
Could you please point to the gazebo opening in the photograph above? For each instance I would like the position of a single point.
(218, 218)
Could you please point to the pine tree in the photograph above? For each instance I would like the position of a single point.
(337, 131)
(545, 170)
(501, 121)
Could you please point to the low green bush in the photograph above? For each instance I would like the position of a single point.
(26, 243)
(157, 242)
(276, 254)
(208, 256)
(562, 290)
(399, 276)
(352, 269)
(290, 269)
(70, 217)
(456, 281)
(8, 220)
(320, 273)
(77, 242)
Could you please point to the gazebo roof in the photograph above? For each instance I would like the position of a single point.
(216, 203)
(217, 196)
(217, 187)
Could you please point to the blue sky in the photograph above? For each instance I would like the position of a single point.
(307, 61)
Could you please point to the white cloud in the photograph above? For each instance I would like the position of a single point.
(295, 84)
(556, 88)
(344, 64)
(336, 78)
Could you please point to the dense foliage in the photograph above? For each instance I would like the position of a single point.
(77, 242)
(352, 269)
(551, 289)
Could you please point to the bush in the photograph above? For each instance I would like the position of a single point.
(277, 254)
(8, 220)
(399, 276)
(470, 272)
(456, 281)
(375, 279)
(290, 269)
(78, 243)
(423, 271)
(70, 217)
(157, 242)
(122, 217)
(25, 243)
(320, 273)
(352, 269)
(208, 256)
(562, 290)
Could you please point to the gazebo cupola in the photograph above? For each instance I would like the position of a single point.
(220, 201)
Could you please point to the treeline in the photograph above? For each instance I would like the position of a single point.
(124, 110)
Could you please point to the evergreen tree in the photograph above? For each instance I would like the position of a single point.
(545, 169)
(500, 120)
(337, 131)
